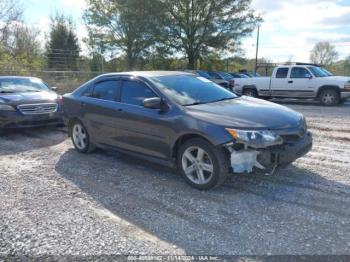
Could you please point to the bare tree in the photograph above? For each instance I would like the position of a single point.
(324, 54)
(10, 12)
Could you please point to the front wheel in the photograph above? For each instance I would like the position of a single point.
(202, 165)
(329, 97)
(80, 138)
(250, 92)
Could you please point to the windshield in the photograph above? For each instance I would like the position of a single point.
(189, 90)
(204, 74)
(226, 76)
(17, 85)
(243, 76)
(317, 71)
(327, 72)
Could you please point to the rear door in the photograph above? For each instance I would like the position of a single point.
(141, 129)
(300, 83)
(102, 110)
(279, 82)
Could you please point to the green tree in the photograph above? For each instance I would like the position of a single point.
(124, 26)
(323, 54)
(63, 46)
(200, 27)
(347, 65)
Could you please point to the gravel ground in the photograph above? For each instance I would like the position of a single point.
(55, 201)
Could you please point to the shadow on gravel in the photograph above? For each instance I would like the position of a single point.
(14, 141)
(236, 217)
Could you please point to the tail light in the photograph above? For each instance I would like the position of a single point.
(60, 101)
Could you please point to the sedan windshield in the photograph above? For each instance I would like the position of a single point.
(204, 74)
(318, 72)
(226, 76)
(189, 90)
(17, 85)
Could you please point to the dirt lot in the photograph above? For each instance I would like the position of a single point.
(55, 201)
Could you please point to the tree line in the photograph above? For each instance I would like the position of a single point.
(140, 34)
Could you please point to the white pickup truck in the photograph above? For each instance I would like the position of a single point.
(297, 81)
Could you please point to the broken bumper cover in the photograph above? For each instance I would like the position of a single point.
(266, 159)
(290, 152)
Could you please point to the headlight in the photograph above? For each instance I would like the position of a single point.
(256, 138)
(6, 108)
(347, 87)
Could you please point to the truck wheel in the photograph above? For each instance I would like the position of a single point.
(202, 165)
(329, 97)
(250, 92)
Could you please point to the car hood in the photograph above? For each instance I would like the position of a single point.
(28, 97)
(247, 113)
(341, 79)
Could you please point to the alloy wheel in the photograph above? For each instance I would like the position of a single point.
(197, 165)
(79, 136)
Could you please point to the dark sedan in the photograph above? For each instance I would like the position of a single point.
(181, 119)
(224, 76)
(28, 102)
(220, 82)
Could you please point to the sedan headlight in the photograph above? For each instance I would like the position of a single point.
(256, 138)
(6, 108)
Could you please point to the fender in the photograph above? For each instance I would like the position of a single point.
(327, 86)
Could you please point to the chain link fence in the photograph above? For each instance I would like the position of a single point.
(65, 81)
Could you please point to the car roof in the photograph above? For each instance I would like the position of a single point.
(18, 77)
(149, 73)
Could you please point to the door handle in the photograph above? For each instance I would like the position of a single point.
(83, 104)
(120, 110)
(290, 82)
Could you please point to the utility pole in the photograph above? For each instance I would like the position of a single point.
(257, 49)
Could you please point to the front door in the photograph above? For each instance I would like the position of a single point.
(300, 83)
(141, 129)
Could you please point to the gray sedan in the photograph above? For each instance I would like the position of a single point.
(186, 121)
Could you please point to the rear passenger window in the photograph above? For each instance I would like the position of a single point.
(282, 72)
(135, 92)
(107, 90)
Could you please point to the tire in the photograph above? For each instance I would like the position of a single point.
(250, 92)
(329, 97)
(206, 171)
(80, 138)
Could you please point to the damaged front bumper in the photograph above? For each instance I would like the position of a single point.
(248, 160)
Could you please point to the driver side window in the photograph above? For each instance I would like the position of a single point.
(300, 72)
(134, 92)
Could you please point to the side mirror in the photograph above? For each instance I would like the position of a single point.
(54, 88)
(154, 103)
(308, 76)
